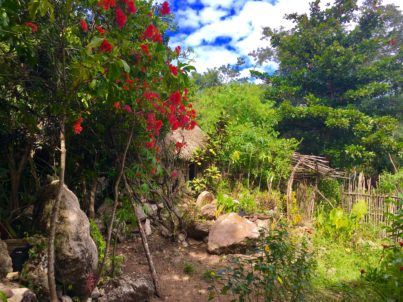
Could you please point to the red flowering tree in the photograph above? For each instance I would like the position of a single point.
(110, 56)
(132, 74)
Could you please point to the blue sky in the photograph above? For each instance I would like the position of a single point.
(220, 31)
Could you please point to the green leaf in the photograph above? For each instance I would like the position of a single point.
(95, 43)
(126, 66)
(33, 7)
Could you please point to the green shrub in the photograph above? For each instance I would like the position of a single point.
(98, 239)
(280, 271)
(388, 274)
(226, 204)
(337, 224)
(248, 203)
(198, 184)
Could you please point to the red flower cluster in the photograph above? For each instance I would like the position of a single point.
(153, 125)
(173, 69)
(393, 42)
(150, 96)
(100, 29)
(117, 105)
(84, 25)
(150, 145)
(32, 25)
(90, 282)
(165, 9)
(77, 126)
(178, 50)
(131, 7)
(121, 18)
(144, 47)
(106, 46)
(152, 33)
(174, 174)
(107, 4)
(128, 108)
(175, 98)
(179, 146)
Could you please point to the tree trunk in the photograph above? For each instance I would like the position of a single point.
(15, 175)
(115, 205)
(91, 201)
(54, 216)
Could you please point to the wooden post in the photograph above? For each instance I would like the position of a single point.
(289, 188)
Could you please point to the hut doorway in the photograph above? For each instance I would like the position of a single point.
(192, 171)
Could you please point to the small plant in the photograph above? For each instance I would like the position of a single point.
(3, 297)
(339, 225)
(198, 184)
(98, 239)
(280, 271)
(209, 275)
(226, 203)
(248, 203)
(117, 263)
(188, 268)
(38, 244)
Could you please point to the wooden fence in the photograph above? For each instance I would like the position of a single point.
(360, 188)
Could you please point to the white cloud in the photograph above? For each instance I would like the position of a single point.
(187, 18)
(244, 27)
(210, 15)
(213, 56)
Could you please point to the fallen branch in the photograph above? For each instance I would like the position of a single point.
(323, 196)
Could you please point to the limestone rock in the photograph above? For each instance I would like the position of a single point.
(204, 198)
(129, 288)
(231, 232)
(13, 276)
(165, 232)
(262, 224)
(7, 291)
(147, 227)
(6, 265)
(140, 213)
(208, 211)
(15, 293)
(151, 209)
(75, 251)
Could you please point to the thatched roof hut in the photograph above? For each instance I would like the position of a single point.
(193, 140)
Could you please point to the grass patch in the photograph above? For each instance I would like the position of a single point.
(339, 268)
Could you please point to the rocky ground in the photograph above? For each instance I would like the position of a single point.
(170, 260)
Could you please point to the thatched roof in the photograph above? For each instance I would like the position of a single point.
(193, 140)
(312, 165)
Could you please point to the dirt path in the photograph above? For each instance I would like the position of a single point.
(170, 259)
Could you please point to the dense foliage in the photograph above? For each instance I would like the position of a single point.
(338, 86)
(242, 134)
(104, 69)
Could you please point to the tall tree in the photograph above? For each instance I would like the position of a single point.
(338, 78)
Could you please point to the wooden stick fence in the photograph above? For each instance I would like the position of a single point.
(359, 188)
